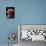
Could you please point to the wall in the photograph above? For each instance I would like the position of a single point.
(6, 25)
(31, 11)
(27, 12)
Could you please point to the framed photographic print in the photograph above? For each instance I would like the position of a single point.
(10, 12)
